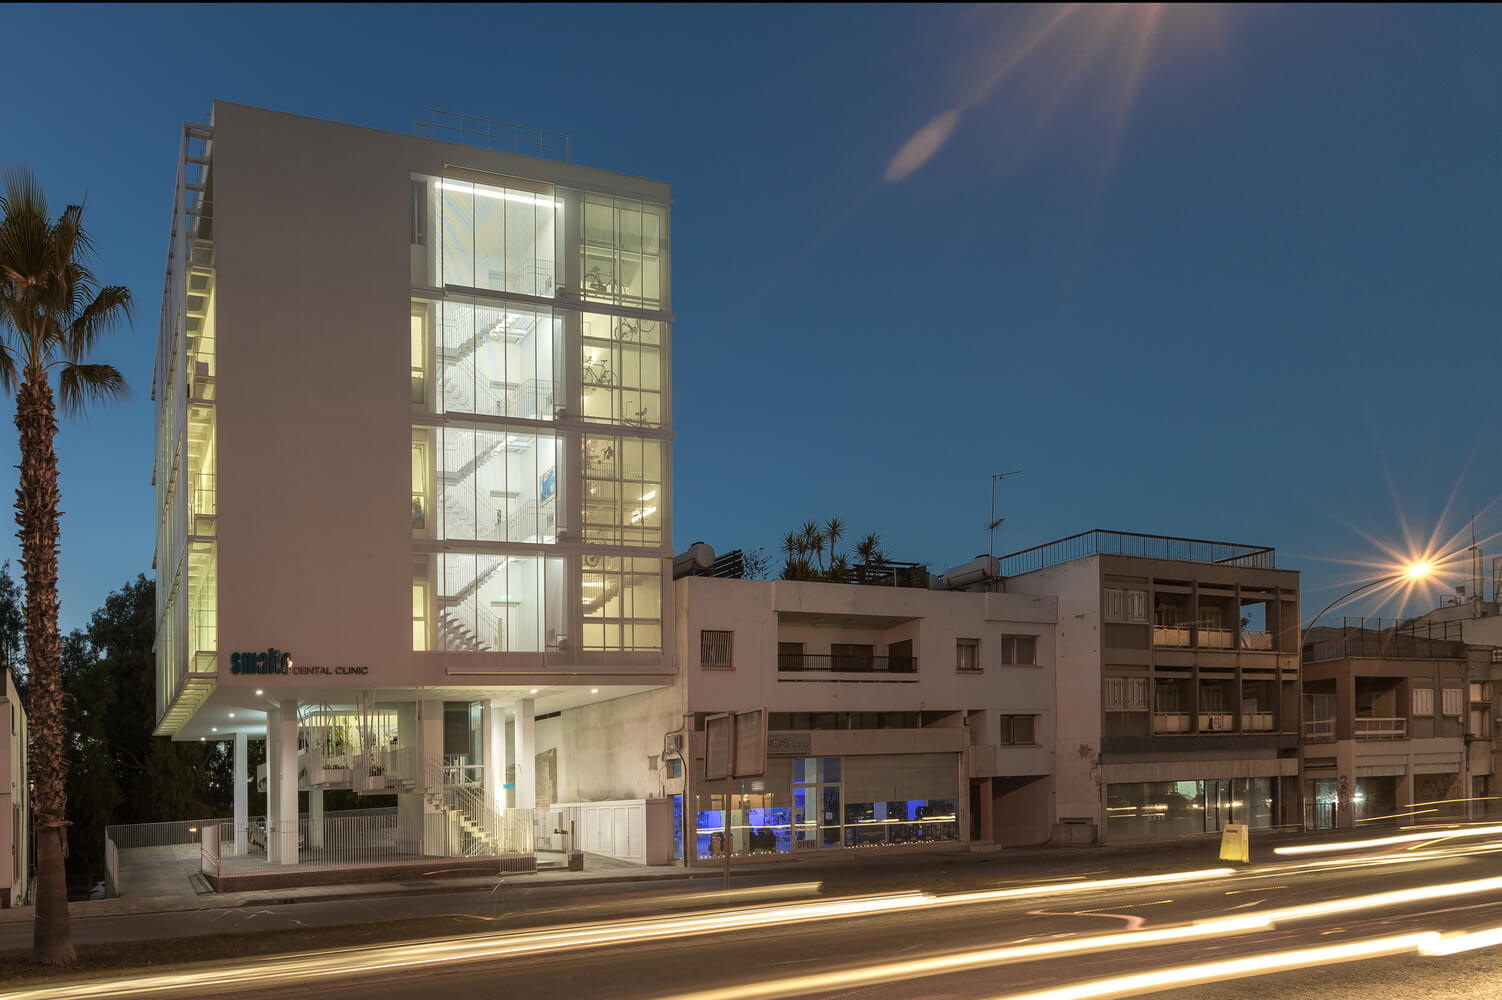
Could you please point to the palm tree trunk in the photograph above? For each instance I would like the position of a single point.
(37, 516)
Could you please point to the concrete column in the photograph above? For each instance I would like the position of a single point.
(508, 751)
(493, 749)
(987, 811)
(273, 765)
(430, 751)
(282, 786)
(526, 756)
(242, 790)
(409, 804)
(315, 817)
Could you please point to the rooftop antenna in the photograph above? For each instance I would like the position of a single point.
(995, 521)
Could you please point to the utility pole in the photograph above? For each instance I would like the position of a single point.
(995, 521)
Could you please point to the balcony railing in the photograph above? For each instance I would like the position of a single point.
(1319, 730)
(1172, 635)
(1256, 640)
(1381, 729)
(1254, 722)
(845, 663)
(1170, 722)
(1182, 637)
(1217, 722)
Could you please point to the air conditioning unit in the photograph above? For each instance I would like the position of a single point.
(672, 743)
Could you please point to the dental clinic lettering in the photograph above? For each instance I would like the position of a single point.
(276, 661)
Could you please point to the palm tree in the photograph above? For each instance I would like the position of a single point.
(868, 551)
(812, 542)
(834, 530)
(53, 311)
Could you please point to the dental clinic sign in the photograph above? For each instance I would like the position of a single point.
(277, 661)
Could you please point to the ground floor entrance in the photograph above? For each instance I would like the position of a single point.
(830, 803)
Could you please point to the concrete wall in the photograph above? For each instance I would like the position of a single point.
(1078, 788)
(310, 224)
(761, 613)
(613, 749)
(15, 798)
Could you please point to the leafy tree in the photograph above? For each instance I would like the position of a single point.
(12, 629)
(118, 772)
(54, 312)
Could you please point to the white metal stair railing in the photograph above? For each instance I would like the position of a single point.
(380, 770)
(456, 789)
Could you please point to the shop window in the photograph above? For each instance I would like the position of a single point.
(967, 655)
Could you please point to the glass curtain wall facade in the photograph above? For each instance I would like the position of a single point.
(540, 428)
(186, 561)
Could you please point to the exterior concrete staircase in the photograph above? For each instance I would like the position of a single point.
(481, 840)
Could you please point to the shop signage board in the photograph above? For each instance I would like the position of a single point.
(735, 746)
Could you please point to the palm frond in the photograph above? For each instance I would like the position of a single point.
(79, 385)
(109, 307)
(21, 192)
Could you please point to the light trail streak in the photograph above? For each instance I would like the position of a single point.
(1407, 838)
(1452, 944)
(963, 961)
(1236, 968)
(1117, 941)
(308, 966)
(493, 946)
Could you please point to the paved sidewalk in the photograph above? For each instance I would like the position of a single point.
(1007, 863)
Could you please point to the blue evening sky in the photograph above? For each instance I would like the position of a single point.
(1218, 272)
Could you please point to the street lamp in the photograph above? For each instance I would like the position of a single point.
(1414, 571)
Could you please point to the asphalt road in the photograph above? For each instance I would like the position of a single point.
(969, 940)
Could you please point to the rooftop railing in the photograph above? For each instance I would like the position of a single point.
(471, 130)
(1386, 638)
(1127, 543)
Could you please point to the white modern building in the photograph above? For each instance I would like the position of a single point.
(15, 799)
(412, 558)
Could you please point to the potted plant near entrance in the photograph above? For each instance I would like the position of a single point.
(575, 858)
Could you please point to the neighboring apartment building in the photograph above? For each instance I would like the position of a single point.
(402, 575)
(1177, 668)
(1398, 723)
(15, 799)
(897, 715)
